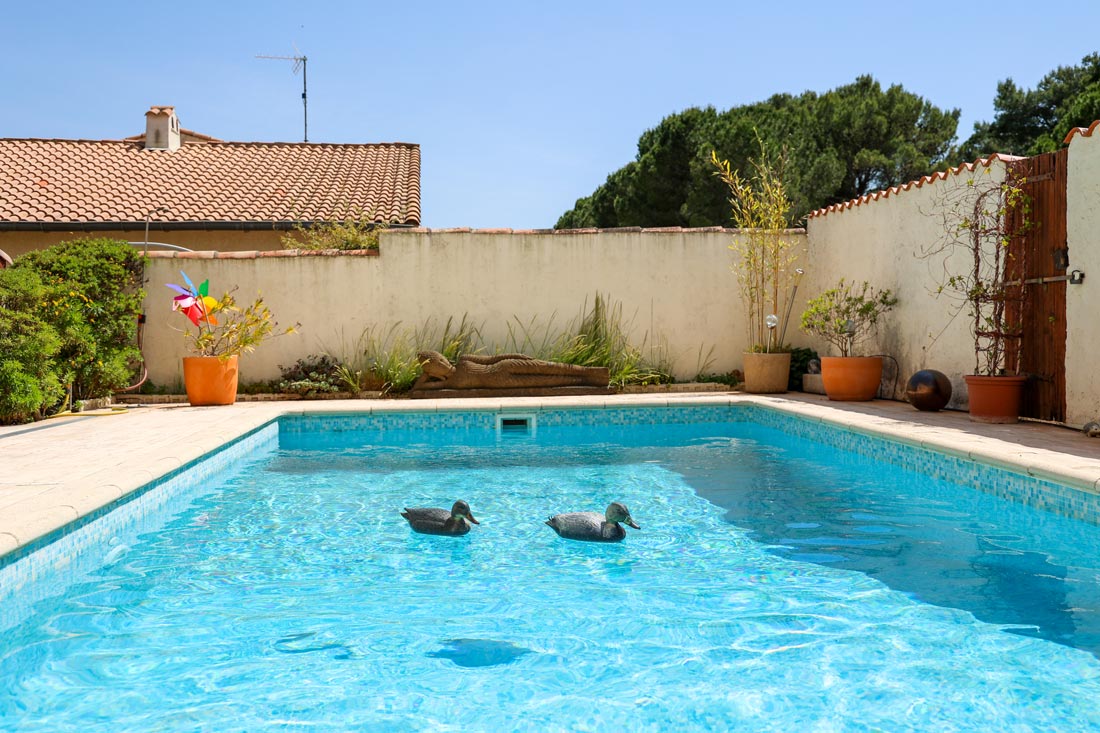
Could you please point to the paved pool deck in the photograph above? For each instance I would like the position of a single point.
(57, 471)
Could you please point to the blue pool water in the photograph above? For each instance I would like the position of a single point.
(776, 584)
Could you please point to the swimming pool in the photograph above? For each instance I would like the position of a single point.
(281, 590)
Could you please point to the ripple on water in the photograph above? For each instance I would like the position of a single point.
(297, 597)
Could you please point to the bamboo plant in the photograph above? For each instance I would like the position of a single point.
(765, 254)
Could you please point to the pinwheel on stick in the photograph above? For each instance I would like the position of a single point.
(195, 303)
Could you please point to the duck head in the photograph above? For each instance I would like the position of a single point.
(617, 512)
(462, 509)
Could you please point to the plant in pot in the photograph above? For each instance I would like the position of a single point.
(223, 331)
(764, 266)
(982, 270)
(846, 317)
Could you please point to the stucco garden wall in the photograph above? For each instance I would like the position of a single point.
(881, 241)
(1083, 301)
(675, 287)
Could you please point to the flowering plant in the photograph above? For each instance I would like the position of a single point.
(222, 328)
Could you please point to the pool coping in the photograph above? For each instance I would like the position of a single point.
(52, 478)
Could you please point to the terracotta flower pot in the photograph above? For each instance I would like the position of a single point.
(210, 380)
(767, 373)
(995, 399)
(851, 378)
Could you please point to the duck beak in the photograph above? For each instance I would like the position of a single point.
(630, 523)
(471, 518)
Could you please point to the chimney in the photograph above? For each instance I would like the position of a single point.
(162, 129)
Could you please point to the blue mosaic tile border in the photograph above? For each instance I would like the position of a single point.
(1021, 488)
(47, 566)
(486, 419)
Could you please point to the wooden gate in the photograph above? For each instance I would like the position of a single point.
(1042, 249)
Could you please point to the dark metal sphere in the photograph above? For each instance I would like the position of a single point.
(928, 390)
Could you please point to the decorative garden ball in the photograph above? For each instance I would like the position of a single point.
(928, 390)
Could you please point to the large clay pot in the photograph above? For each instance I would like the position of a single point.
(210, 380)
(995, 399)
(851, 378)
(767, 373)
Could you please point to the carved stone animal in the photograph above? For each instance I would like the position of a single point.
(504, 371)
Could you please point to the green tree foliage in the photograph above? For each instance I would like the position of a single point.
(352, 233)
(93, 299)
(29, 386)
(840, 144)
(1033, 121)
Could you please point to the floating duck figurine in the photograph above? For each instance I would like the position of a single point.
(593, 527)
(429, 520)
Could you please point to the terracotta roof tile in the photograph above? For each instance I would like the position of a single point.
(81, 181)
(920, 182)
(1082, 131)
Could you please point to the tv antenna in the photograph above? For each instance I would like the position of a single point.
(299, 63)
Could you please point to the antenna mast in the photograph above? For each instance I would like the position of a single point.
(299, 62)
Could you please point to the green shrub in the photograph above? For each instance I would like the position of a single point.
(353, 233)
(315, 373)
(800, 364)
(29, 383)
(600, 340)
(93, 300)
(386, 360)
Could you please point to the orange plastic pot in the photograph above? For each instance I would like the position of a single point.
(210, 380)
(851, 378)
(995, 399)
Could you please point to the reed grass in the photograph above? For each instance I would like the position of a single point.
(386, 358)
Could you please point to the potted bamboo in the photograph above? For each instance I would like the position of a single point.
(984, 272)
(846, 316)
(764, 266)
(223, 332)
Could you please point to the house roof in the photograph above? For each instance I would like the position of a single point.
(101, 184)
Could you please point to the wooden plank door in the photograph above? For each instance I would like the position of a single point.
(1044, 254)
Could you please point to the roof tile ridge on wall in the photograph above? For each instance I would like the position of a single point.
(255, 254)
(1082, 131)
(583, 230)
(918, 183)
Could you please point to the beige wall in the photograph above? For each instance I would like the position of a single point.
(17, 243)
(881, 241)
(675, 287)
(1083, 301)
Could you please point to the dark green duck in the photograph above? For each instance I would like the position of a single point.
(592, 526)
(430, 520)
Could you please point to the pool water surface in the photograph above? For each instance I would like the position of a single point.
(776, 584)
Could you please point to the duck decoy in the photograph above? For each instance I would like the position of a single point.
(430, 520)
(592, 526)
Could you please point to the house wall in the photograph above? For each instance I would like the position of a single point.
(677, 293)
(18, 243)
(883, 241)
(1083, 301)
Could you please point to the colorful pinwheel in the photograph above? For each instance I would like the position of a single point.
(195, 303)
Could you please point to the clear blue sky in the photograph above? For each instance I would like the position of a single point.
(519, 107)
